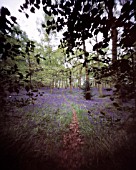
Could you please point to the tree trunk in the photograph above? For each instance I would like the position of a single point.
(110, 5)
(70, 80)
(114, 34)
(88, 94)
(100, 90)
(134, 77)
(99, 85)
(59, 86)
(79, 77)
(62, 83)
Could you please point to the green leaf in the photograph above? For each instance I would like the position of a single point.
(32, 10)
(13, 19)
(38, 60)
(20, 75)
(43, 25)
(4, 11)
(27, 16)
(37, 6)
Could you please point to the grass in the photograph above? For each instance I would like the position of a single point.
(106, 147)
(39, 132)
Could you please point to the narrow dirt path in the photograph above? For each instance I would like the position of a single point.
(71, 153)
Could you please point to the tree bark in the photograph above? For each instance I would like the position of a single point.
(79, 77)
(70, 80)
(134, 77)
(110, 6)
(114, 35)
(99, 85)
(88, 94)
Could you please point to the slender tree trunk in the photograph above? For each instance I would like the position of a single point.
(30, 72)
(51, 87)
(59, 83)
(79, 77)
(56, 83)
(100, 90)
(67, 82)
(67, 79)
(93, 83)
(88, 95)
(110, 5)
(99, 85)
(62, 83)
(114, 35)
(53, 83)
(134, 77)
(70, 80)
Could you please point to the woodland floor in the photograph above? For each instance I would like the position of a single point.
(76, 139)
(70, 155)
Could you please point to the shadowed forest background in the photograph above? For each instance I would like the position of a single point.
(70, 106)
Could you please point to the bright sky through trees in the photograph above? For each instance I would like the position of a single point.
(28, 25)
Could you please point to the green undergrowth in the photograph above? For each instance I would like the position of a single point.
(40, 129)
(104, 147)
(84, 123)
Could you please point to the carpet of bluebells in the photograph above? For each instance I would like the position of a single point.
(40, 121)
(63, 100)
(53, 107)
